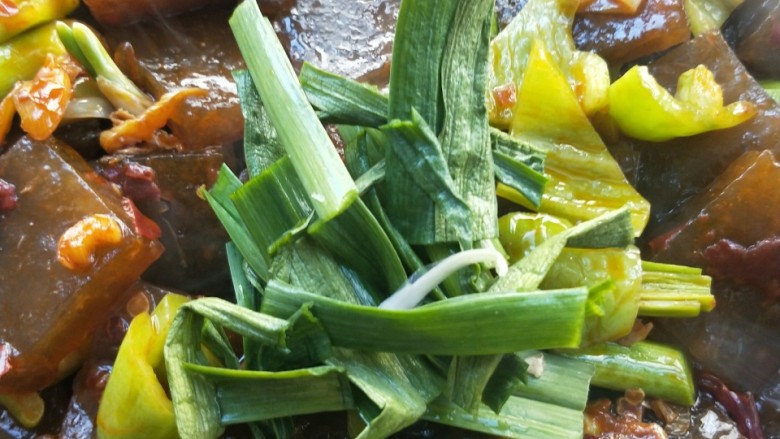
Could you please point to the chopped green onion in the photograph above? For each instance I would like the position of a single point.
(304, 138)
(341, 100)
(262, 147)
(218, 198)
(519, 418)
(476, 324)
(564, 382)
(674, 291)
(661, 371)
(247, 396)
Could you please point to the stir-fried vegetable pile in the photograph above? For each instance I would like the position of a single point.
(471, 259)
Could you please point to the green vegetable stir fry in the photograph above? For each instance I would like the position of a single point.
(471, 259)
(318, 255)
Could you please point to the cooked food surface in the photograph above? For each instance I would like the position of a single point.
(671, 172)
(314, 31)
(121, 12)
(165, 55)
(78, 237)
(165, 187)
(755, 29)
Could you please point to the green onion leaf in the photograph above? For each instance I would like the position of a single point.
(661, 371)
(300, 132)
(476, 324)
(342, 100)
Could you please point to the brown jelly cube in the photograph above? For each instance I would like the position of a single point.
(47, 311)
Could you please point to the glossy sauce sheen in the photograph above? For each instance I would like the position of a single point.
(659, 24)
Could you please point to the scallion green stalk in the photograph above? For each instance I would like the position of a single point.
(520, 418)
(218, 198)
(248, 396)
(563, 381)
(660, 370)
(669, 290)
(476, 324)
(300, 131)
(341, 100)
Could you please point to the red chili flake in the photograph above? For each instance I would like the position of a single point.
(137, 182)
(142, 224)
(8, 199)
(8, 8)
(505, 95)
(755, 265)
(740, 406)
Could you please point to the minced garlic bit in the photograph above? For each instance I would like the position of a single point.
(76, 247)
(535, 364)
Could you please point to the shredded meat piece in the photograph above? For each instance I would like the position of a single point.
(755, 266)
(639, 332)
(7, 196)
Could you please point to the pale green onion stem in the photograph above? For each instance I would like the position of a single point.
(85, 46)
(413, 293)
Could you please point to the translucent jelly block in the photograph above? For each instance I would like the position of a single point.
(740, 206)
(671, 172)
(657, 25)
(754, 28)
(47, 311)
(195, 259)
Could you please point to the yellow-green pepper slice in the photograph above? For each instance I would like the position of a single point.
(17, 16)
(612, 309)
(521, 232)
(645, 110)
(23, 56)
(135, 403)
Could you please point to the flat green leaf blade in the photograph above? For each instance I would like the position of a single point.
(420, 193)
(418, 48)
(380, 376)
(342, 100)
(262, 146)
(476, 324)
(564, 381)
(218, 198)
(273, 205)
(248, 396)
(357, 239)
(520, 418)
(519, 165)
(464, 136)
